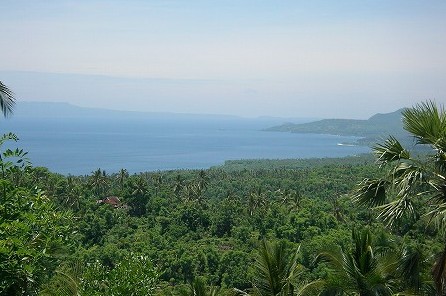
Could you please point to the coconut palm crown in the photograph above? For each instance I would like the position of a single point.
(276, 271)
(360, 271)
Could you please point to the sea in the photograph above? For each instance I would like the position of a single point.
(73, 146)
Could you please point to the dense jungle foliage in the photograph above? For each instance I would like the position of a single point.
(173, 229)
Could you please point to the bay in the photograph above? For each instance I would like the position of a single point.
(80, 146)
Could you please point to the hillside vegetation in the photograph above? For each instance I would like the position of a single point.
(371, 130)
(173, 229)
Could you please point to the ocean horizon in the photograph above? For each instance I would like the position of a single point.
(80, 146)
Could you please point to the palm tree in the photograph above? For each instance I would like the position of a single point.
(178, 185)
(290, 197)
(7, 100)
(413, 267)
(275, 271)
(157, 180)
(257, 199)
(72, 192)
(198, 287)
(193, 192)
(203, 180)
(413, 180)
(99, 182)
(140, 187)
(372, 269)
(67, 281)
(138, 198)
(361, 271)
(122, 175)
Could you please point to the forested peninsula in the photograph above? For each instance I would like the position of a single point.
(370, 131)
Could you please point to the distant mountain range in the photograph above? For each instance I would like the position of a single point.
(371, 130)
(55, 110)
(60, 111)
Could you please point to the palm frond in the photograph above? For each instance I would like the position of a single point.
(7, 100)
(275, 271)
(350, 268)
(267, 274)
(407, 178)
(410, 265)
(359, 271)
(371, 192)
(238, 292)
(439, 160)
(362, 254)
(389, 151)
(426, 122)
(438, 216)
(395, 210)
(387, 263)
(312, 288)
(333, 258)
(66, 282)
(408, 171)
(293, 269)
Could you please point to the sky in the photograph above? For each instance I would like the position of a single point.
(286, 58)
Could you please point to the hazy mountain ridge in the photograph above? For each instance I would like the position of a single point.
(370, 130)
(67, 110)
(61, 110)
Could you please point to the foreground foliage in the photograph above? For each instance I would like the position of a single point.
(415, 186)
(214, 225)
(32, 232)
(133, 275)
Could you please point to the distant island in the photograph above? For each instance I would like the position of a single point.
(370, 130)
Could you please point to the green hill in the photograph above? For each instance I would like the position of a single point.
(370, 130)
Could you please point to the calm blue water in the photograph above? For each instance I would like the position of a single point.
(79, 147)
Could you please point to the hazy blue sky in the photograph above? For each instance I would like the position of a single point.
(244, 57)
